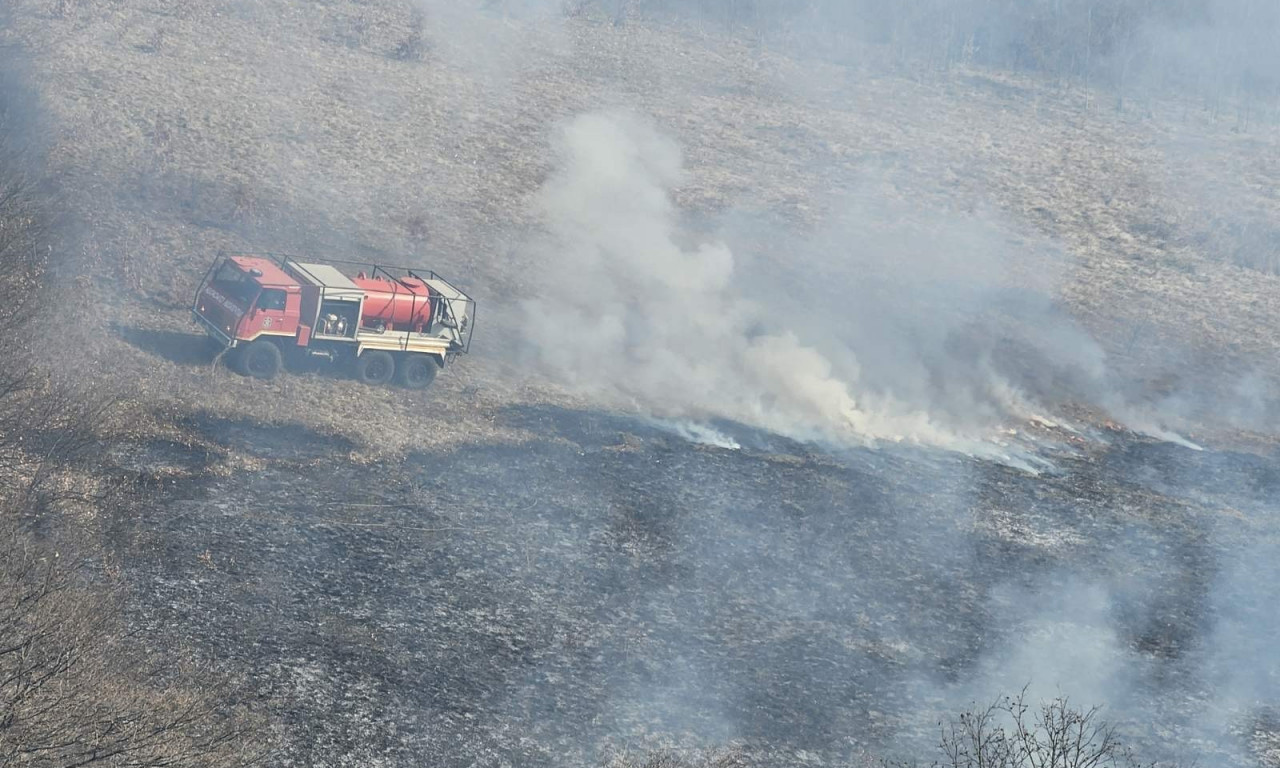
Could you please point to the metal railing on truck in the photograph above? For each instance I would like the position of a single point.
(218, 261)
(462, 301)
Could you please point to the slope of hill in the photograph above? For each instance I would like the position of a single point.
(505, 569)
(280, 126)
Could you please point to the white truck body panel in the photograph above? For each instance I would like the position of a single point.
(336, 285)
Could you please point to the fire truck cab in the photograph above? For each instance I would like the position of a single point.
(384, 323)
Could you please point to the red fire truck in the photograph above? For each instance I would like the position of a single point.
(384, 323)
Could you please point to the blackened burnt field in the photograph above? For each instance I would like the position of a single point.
(608, 588)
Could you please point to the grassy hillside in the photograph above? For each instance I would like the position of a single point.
(265, 124)
(501, 572)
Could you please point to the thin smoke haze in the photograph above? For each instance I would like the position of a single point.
(897, 324)
(660, 322)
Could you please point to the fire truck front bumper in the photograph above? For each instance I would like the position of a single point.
(214, 332)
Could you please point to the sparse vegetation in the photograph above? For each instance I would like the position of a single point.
(77, 688)
(1010, 732)
(1013, 732)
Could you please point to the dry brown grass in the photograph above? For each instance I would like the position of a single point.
(77, 688)
(187, 127)
(738, 757)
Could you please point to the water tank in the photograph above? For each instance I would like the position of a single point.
(402, 305)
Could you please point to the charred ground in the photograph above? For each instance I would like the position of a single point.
(608, 587)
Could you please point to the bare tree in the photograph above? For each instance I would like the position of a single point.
(77, 688)
(1013, 733)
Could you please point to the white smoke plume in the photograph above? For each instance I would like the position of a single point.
(633, 313)
(897, 323)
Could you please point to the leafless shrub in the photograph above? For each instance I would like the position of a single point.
(77, 688)
(1013, 733)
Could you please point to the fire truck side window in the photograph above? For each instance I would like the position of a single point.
(271, 298)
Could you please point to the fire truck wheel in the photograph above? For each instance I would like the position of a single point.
(234, 358)
(375, 367)
(261, 360)
(418, 371)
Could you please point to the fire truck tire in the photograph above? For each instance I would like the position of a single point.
(234, 359)
(375, 367)
(418, 371)
(261, 360)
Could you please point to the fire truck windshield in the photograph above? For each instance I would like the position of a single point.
(235, 284)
